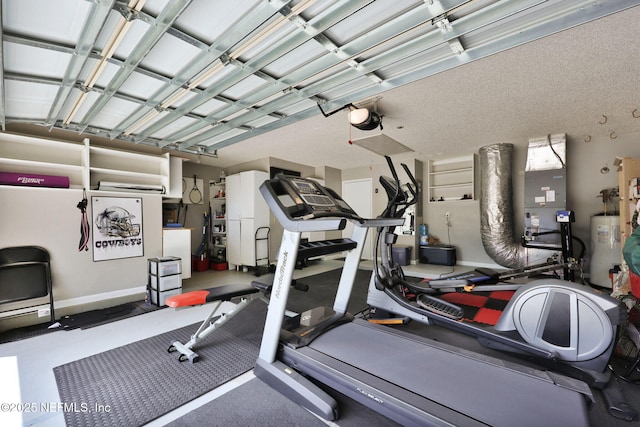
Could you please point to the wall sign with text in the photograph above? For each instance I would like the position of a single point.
(117, 227)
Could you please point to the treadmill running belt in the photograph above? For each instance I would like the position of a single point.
(480, 307)
(487, 390)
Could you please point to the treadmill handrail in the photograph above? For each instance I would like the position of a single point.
(382, 222)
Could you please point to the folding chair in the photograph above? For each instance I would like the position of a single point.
(25, 273)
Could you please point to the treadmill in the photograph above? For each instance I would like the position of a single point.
(409, 379)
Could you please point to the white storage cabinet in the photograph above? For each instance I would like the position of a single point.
(246, 212)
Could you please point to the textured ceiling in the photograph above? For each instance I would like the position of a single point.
(563, 83)
(262, 97)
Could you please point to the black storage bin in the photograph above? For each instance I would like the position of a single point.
(401, 255)
(438, 254)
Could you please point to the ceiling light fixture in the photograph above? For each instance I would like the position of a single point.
(182, 91)
(112, 43)
(143, 121)
(364, 119)
(271, 28)
(220, 64)
(235, 54)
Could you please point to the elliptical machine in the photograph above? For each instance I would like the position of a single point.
(560, 325)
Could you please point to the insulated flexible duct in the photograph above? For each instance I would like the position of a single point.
(496, 210)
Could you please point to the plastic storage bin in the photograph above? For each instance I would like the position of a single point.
(438, 254)
(199, 264)
(401, 255)
(219, 265)
(165, 278)
(159, 298)
(163, 283)
(165, 266)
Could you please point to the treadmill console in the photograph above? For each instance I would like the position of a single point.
(311, 194)
(302, 198)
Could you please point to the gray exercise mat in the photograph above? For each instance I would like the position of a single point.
(134, 384)
(251, 404)
(256, 404)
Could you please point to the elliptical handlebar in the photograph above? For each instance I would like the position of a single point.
(415, 192)
(398, 201)
(393, 169)
(386, 274)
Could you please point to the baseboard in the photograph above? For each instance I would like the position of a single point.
(99, 297)
(71, 302)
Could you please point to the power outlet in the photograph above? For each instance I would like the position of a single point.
(44, 312)
(447, 215)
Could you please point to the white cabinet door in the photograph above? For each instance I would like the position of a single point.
(253, 204)
(234, 196)
(234, 251)
(247, 241)
(246, 211)
(261, 210)
(177, 242)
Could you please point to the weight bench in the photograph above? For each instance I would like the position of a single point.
(219, 294)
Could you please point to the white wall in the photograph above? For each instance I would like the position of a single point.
(584, 179)
(50, 218)
(584, 183)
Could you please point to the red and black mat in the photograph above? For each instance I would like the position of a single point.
(480, 307)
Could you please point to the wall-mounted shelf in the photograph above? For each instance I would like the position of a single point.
(41, 156)
(132, 168)
(452, 179)
(86, 165)
(218, 205)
